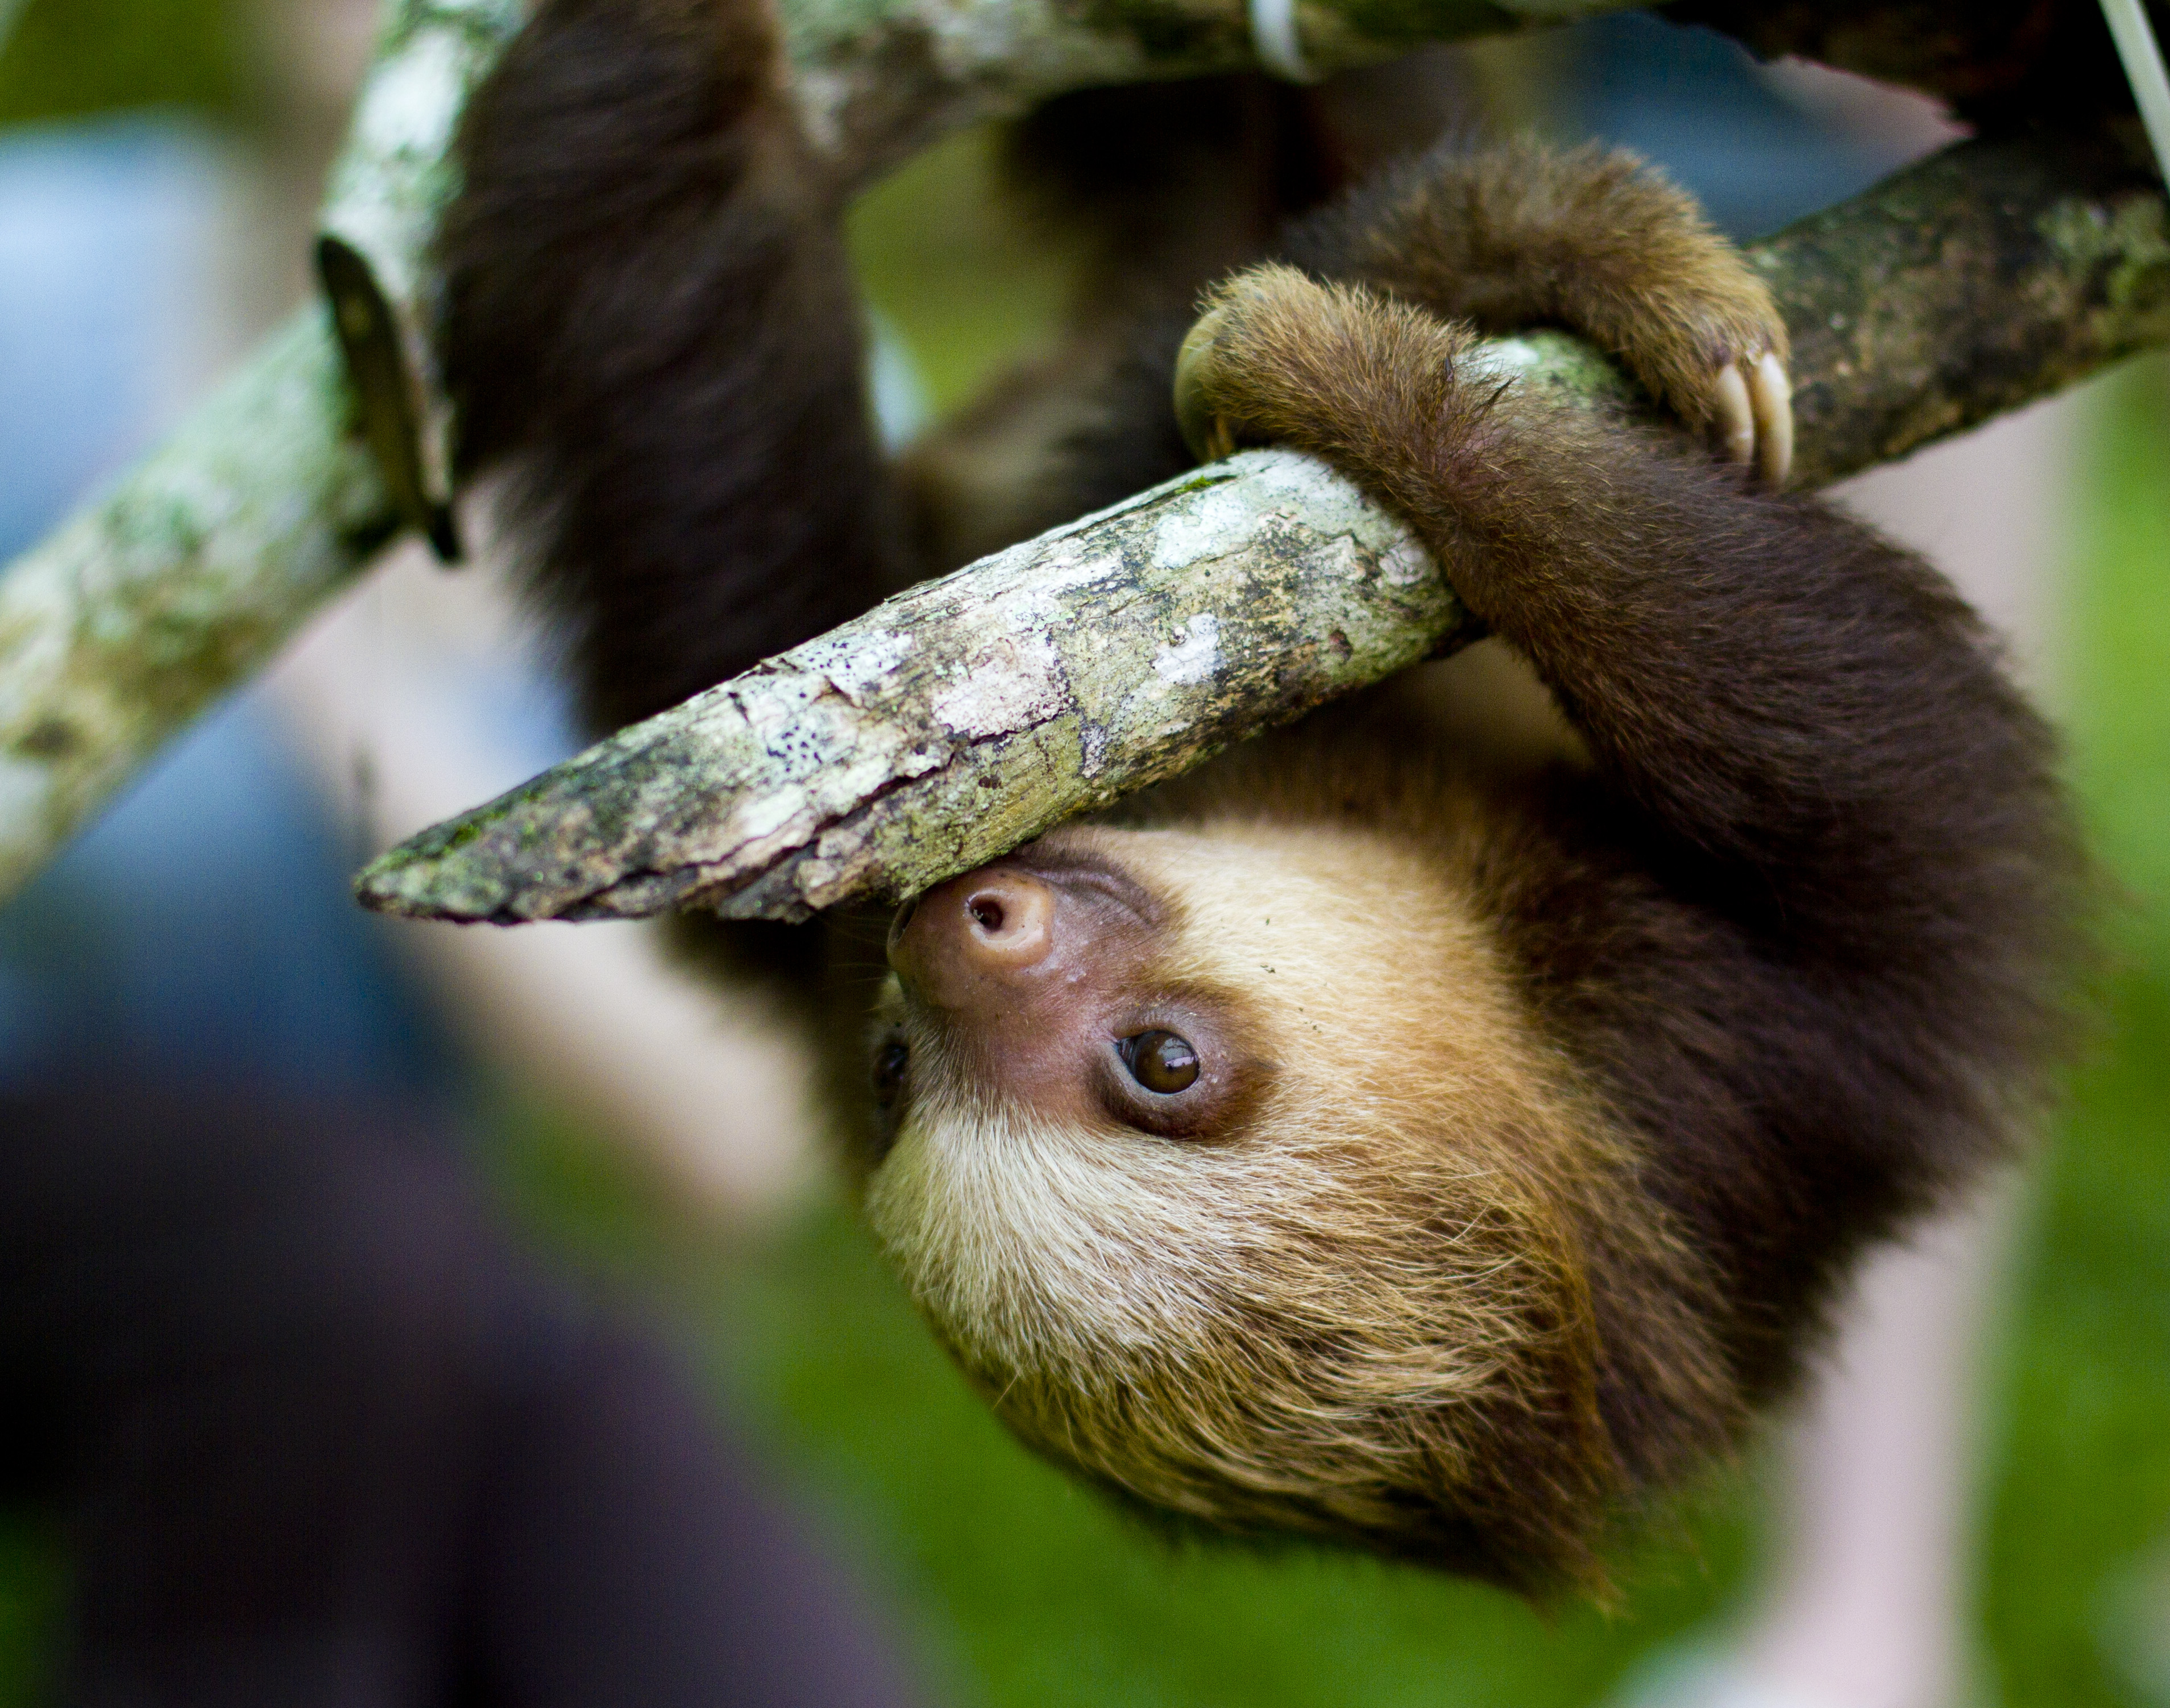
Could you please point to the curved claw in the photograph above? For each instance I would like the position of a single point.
(1735, 415)
(1207, 436)
(1771, 399)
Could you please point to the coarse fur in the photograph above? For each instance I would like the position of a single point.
(1364, 1306)
(650, 325)
(1551, 1066)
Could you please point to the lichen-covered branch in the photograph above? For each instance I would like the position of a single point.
(966, 716)
(1977, 282)
(185, 578)
(878, 81)
(139, 612)
(963, 717)
(382, 203)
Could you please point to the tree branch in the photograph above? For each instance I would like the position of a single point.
(141, 611)
(970, 714)
(186, 577)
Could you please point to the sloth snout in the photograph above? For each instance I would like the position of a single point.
(958, 943)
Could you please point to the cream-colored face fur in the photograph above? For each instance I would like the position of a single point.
(1313, 1319)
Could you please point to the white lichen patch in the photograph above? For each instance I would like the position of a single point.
(857, 662)
(1010, 683)
(1061, 577)
(770, 704)
(410, 104)
(1217, 522)
(1032, 603)
(1406, 563)
(1194, 657)
(829, 733)
(1306, 490)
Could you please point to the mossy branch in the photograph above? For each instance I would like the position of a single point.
(970, 714)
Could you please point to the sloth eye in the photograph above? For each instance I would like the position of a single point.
(890, 1061)
(1160, 1061)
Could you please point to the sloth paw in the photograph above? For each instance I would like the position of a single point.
(1713, 352)
(1271, 356)
(1709, 345)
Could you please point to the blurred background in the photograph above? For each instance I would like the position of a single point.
(159, 160)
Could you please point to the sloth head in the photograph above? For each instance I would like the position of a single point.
(1223, 1164)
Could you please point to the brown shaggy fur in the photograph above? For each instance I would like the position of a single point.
(1812, 813)
(1530, 1201)
(1392, 1296)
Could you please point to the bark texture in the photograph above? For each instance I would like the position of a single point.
(1977, 282)
(154, 600)
(968, 715)
(963, 717)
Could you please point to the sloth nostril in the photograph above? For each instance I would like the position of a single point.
(987, 926)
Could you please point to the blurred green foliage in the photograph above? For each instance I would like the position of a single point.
(966, 281)
(33, 1579)
(59, 60)
(67, 58)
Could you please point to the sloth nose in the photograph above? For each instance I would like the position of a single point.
(958, 942)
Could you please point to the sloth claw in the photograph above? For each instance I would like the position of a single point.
(1771, 397)
(1751, 410)
(1734, 414)
(1208, 434)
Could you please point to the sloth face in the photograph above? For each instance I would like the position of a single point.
(1180, 985)
(1219, 1161)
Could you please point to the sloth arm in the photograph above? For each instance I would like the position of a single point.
(1804, 921)
(1799, 708)
(1506, 236)
(651, 327)
(652, 330)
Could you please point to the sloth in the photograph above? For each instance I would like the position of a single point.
(1438, 1127)
(1399, 1134)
